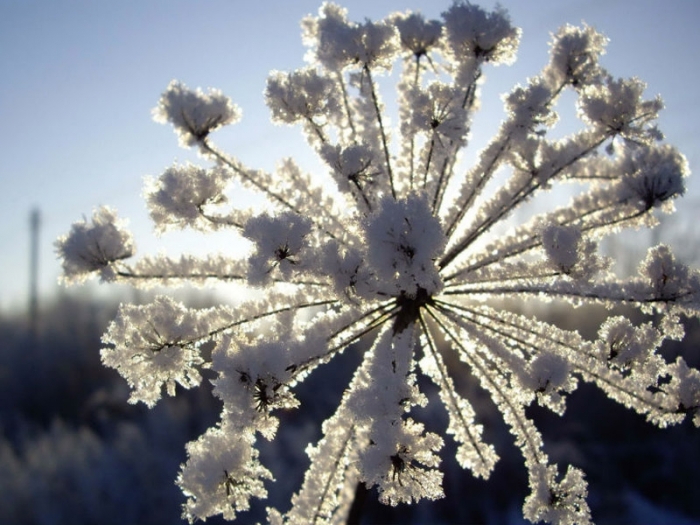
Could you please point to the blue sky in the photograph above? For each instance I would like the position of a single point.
(79, 78)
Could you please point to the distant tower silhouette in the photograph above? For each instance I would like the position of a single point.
(34, 223)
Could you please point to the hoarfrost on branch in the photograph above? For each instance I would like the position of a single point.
(402, 255)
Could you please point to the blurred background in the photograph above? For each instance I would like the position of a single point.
(79, 79)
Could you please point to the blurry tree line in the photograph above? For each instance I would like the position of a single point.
(72, 451)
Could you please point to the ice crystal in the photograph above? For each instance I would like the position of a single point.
(401, 264)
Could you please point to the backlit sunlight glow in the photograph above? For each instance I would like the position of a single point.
(400, 261)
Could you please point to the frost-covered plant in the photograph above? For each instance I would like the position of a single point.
(402, 253)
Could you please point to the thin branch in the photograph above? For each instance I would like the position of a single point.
(222, 158)
(449, 163)
(444, 385)
(337, 464)
(382, 131)
(517, 414)
(346, 105)
(388, 311)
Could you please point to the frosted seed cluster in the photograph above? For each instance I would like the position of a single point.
(398, 261)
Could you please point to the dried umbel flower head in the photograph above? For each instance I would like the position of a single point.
(194, 114)
(396, 262)
(95, 247)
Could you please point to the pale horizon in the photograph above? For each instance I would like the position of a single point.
(81, 79)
